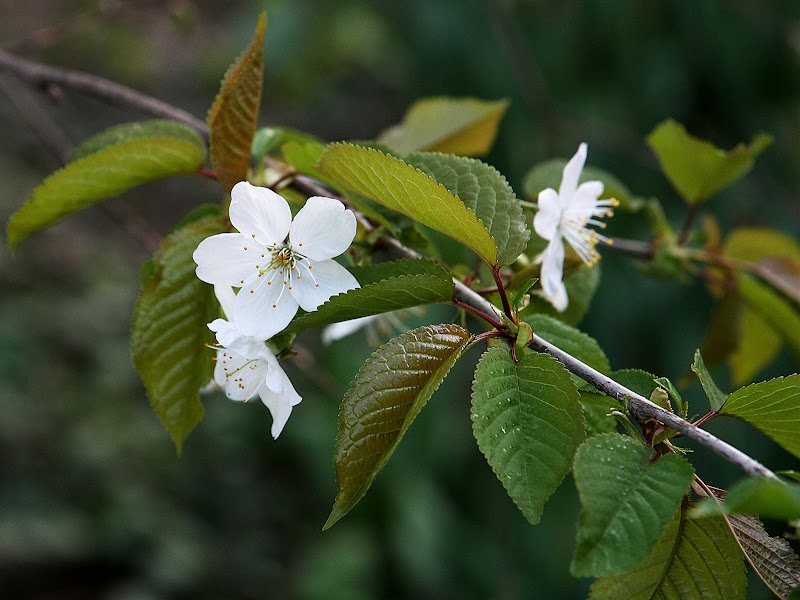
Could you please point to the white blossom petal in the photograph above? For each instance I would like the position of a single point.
(337, 331)
(572, 173)
(315, 281)
(322, 229)
(225, 259)
(239, 376)
(226, 332)
(225, 297)
(264, 306)
(553, 288)
(547, 218)
(260, 213)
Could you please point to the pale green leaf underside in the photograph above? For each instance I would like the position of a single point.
(485, 192)
(772, 407)
(169, 333)
(107, 172)
(527, 420)
(401, 187)
(694, 559)
(427, 283)
(383, 401)
(133, 131)
(627, 502)
(696, 168)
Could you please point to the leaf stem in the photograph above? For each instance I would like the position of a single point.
(687, 224)
(207, 173)
(503, 296)
(478, 313)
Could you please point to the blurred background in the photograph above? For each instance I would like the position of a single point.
(93, 501)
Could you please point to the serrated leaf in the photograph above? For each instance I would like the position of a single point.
(396, 185)
(570, 340)
(464, 126)
(773, 407)
(772, 558)
(136, 131)
(527, 420)
(776, 311)
(105, 173)
(369, 274)
(716, 398)
(696, 559)
(627, 502)
(169, 332)
(383, 401)
(597, 413)
(485, 192)
(393, 293)
(233, 117)
(696, 168)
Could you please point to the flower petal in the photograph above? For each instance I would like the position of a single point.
(225, 297)
(572, 173)
(553, 288)
(241, 377)
(259, 213)
(314, 281)
(227, 334)
(264, 306)
(225, 259)
(583, 203)
(337, 331)
(549, 214)
(322, 229)
(279, 396)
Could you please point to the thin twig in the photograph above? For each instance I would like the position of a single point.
(687, 224)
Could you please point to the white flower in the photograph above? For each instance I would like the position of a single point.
(337, 331)
(245, 367)
(565, 215)
(279, 264)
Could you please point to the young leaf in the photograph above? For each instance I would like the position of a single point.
(272, 139)
(485, 192)
(527, 420)
(754, 244)
(771, 557)
(136, 131)
(464, 126)
(570, 340)
(401, 187)
(773, 309)
(169, 333)
(758, 345)
(696, 168)
(105, 173)
(772, 407)
(383, 401)
(693, 559)
(716, 398)
(627, 502)
(233, 117)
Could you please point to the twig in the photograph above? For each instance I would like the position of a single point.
(687, 224)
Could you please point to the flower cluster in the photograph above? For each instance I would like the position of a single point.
(564, 215)
(279, 265)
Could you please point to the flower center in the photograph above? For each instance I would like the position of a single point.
(289, 264)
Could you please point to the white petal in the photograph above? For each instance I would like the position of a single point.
(279, 396)
(259, 212)
(227, 334)
(225, 296)
(322, 229)
(264, 306)
(226, 259)
(572, 173)
(549, 214)
(241, 377)
(337, 331)
(553, 288)
(583, 203)
(314, 281)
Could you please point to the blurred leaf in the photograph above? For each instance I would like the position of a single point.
(771, 557)
(758, 346)
(383, 401)
(597, 413)
(548, 175)
(136, 131)
(773, 407)
(233, 117)
(403, 188)
(105, 173)
(778, 313)
(696, 168)
(627, 502)
(791, 474)
(394, 293)
(303, 157)
(755, 244)
(528, 423)
(272, 139)
(169, 333)
(722, 336)
(693, 559)
(783, 274)
(570, 340)
(764, 497)
(581, 287)
(485, 192)
(463, 126)
(716, 398)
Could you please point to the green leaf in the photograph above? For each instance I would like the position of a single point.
(581, 287)
(754, 244)
(401, 187)
(395, 293)
(464, 126)
(772, 407)
(169, 332)
(233, 117)
(272, 139)
(570, 340)
(777, 312)
(716, 398)
(693, 559)
(485, 192)
(765, 497)
(528, 423)
(303, 157)
(641, 382)
(105, 173)
(696, 168)
(771, 557)
(757, 346)
(627, 502)
(597, 413)
(383, 401)
(137, 131)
